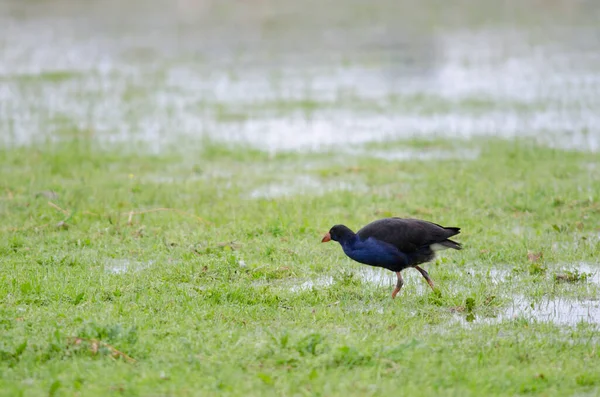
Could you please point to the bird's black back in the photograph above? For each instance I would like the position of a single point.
(408, 235)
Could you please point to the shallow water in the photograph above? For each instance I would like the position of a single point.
(285, 76)
(367, 274)
(303, 184)
(560, 311)
(120, 266)
(406, 154)
(591, 271)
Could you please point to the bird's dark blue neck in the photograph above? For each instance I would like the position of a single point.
(349, 240)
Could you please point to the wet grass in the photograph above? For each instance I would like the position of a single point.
(414, 104)
(132, 274)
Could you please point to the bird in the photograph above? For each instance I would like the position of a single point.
(395, 244)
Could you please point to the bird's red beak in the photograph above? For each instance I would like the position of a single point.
(326, 238)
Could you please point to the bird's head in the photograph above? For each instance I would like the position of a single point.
(338, 233)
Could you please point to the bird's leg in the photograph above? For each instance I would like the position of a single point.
(398, 285)
(426, 275)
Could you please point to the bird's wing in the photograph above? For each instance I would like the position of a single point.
(408, 235)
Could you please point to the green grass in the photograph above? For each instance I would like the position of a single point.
(196, 322)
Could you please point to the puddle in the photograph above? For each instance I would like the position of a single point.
(562, 311)
(303, 184)
(413, 154)
(499, 275)
(370, 275)
(71, 66)
(324, 281)
(121, 266)
(326, 130)
(378, 277)
(559, 311)
(590, 269)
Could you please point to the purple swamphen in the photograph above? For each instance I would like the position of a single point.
(395, 244)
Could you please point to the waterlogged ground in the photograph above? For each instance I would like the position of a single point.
(168, 171)
(212, 288)
(299, 75)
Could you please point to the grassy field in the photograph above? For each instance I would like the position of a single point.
(203, 274)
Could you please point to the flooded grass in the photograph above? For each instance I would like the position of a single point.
(218, 284)
(368, 80)
(167, 177)
(119, 266)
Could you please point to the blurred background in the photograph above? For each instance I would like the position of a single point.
(299, 75)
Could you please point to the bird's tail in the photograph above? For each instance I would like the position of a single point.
(451, 244)
(453, 231)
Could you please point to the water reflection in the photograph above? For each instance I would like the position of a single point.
(159, 71)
